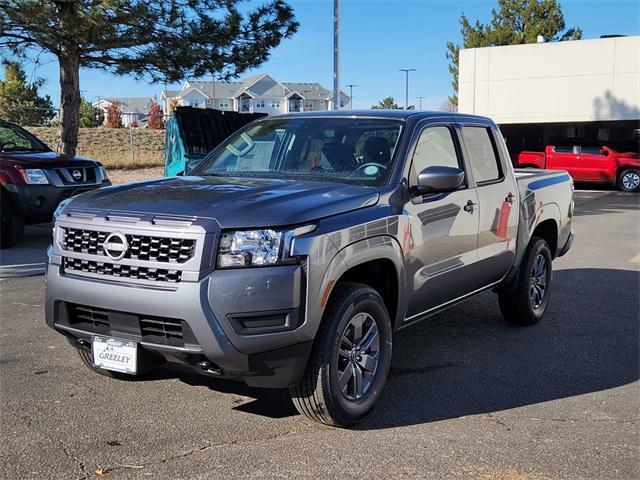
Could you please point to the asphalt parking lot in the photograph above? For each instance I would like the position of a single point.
(469, 396)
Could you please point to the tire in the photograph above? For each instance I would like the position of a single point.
(526, 304)
(87, 360)
(319, 396)
(11, 225)
(629, 180)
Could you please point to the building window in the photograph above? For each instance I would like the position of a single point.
(275, 103)
(194, 103)
(260, 103)
(308, 106)
(223, 103)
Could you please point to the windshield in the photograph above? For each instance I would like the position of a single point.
(16, 139)
(323, 149)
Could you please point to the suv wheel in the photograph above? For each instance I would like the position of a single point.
(529, 301)
(11, 225)
(629, 180)
(350, 361)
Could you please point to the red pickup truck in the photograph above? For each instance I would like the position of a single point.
(588, 161)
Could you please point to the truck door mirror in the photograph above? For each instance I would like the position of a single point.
(604, 151)
(438, 178)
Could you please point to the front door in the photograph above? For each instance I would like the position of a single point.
(498, 209)
(443, 227)
(596, 165)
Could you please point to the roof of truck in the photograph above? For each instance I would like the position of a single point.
(398, 114)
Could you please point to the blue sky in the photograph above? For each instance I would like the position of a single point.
(378, 38)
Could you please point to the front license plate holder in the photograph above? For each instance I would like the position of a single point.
(115, 354)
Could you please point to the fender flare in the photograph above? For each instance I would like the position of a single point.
(373, 248)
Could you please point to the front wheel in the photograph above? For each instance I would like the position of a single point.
(350, 360)
(629, 180)
(526, 304)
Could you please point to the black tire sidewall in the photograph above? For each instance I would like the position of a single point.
(539, 247)
(361, 301)
(621, 176)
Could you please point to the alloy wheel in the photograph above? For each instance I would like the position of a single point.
(538, 282)
(631, 180)
(358, 355)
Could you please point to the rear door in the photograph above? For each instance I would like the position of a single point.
(596, 166)
(444, 226)
(497, 191)
(566, 157)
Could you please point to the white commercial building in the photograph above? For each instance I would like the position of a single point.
(583, 88)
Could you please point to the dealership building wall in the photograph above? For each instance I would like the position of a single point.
(535, 92)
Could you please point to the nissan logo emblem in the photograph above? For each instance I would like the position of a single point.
(116, 246)
(77, 174)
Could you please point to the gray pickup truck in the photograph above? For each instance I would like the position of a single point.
(290, 255)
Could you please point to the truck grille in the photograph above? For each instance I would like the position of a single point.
(166, 328)
(141, 247)
(123, 271)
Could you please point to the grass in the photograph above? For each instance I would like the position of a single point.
(113, 146)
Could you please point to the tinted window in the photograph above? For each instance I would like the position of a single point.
(15, 139)
(591, 150)
(482, 154)
(563, 149)
(435, 147)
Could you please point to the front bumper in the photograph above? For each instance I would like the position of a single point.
(238, 324)
(36, 203)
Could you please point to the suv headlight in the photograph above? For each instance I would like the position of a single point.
(252, 248)
(34, 176)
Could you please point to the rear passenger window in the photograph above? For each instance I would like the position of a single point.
(563, 149)
(435, 147)
(483, 158)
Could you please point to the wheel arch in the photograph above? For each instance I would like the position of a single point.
(377, 262)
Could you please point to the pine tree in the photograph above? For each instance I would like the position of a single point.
(20, 101)
(515, 22)
(156, 40)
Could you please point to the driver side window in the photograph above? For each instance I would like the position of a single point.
(435, 147)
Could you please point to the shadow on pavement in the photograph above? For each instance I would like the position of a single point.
(607, 202)
(29, 256)
(469, 361)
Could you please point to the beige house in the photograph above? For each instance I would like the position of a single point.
(256, 94)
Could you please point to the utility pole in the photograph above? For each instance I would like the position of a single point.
(351, 85)
(336, 55)
(420, 100)
(406, 87)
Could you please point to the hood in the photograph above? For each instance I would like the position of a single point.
(233, 202)
(628, 155)
(44, 160)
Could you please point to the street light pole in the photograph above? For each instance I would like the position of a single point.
(336, 55)
(351, 85)
(420, 99)
(406, 87)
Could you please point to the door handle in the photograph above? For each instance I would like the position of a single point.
(470, 206)
(510, 198)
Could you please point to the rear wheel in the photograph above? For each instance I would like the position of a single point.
(350, 361)
(629, 180)
(527, 303)
(11, 225)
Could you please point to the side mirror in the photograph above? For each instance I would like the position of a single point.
(437, 179)
(604, 151)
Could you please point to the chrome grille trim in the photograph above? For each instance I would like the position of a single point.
(141, 247)
(121, 271)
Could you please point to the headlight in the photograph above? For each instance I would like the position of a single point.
(247, 248)
(35, 176)
(61, 207)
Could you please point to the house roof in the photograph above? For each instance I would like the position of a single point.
(309, 91)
